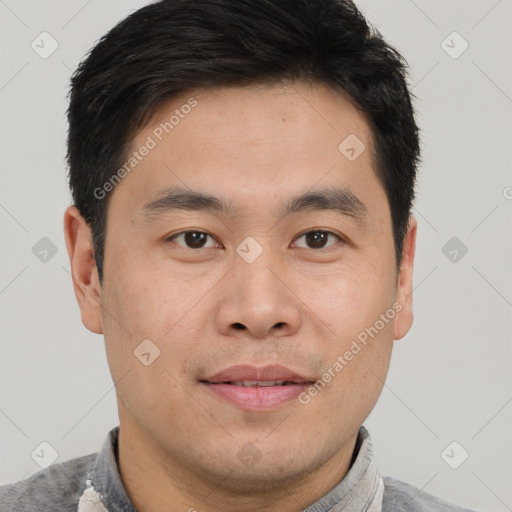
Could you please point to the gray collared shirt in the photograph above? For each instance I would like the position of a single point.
(92, 484)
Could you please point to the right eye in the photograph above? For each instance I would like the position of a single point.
(192, 239)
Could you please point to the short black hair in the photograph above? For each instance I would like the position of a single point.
(172, 46)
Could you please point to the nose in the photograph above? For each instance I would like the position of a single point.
(257, 302)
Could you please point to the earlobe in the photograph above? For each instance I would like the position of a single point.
(83, 269)
(403, 320)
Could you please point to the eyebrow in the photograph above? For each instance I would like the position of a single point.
(184, 199)
(341, 200)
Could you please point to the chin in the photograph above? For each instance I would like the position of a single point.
(250, 469)
(262, 477)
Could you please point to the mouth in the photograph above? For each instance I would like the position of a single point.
(260, 383)
(257, 389)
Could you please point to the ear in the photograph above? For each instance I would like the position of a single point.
(404, 317)
(83, 269)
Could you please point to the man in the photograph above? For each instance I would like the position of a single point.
(243, 176)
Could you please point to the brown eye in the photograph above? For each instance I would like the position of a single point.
(318, 239)
(192, 239)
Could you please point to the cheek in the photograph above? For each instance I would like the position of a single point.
(347, 302)
(147, 301)
(359, 343)
(151, 299)
(140, 308)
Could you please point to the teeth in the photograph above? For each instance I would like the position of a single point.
(257, 383)
(263, 383)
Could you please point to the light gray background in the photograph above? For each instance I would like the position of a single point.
(450, 378)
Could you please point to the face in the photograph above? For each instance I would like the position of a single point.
(248, 245)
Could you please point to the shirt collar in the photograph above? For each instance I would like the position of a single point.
(104, 490)
(362, 488)
(360, 491)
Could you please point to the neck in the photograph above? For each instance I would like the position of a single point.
(154, 481)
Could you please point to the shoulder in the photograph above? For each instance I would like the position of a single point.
(57, 487)
(402, 497)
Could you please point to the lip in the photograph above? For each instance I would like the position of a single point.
(248, 372)
(257, 398)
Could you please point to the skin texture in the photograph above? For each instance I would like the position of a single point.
(208, 309)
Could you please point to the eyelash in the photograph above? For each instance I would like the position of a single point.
(340, 239)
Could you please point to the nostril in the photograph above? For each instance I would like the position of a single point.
(280, 324)
(239, 326)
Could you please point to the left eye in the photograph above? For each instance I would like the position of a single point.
(193, 239)
(318, 239)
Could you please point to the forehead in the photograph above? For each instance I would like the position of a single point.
(264, 112)
(252, 142)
